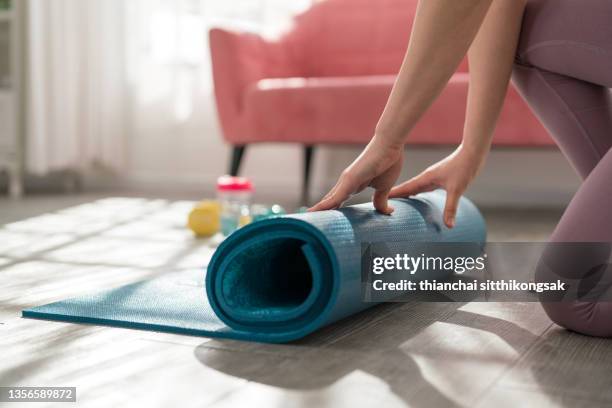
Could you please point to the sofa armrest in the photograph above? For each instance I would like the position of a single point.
(239, 60)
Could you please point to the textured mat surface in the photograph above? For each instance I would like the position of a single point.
(273, 281)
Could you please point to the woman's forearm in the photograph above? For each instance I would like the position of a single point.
(442, 33)
(491, 57)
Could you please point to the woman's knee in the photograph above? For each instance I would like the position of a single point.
(589, 318)
(585, 306)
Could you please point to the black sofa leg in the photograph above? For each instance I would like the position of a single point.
(237, 154)
(308, 156)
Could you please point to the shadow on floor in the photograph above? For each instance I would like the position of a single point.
(327, 356)
(557, 364)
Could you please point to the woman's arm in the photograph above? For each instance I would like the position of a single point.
(491, 56)
(442, 32)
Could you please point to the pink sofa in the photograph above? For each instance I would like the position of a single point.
(326, 81)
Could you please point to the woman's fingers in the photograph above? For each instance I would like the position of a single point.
(450, 209)
(381, 202)
(419, 184)
(327, 203)
(334, 199)
(423, 183)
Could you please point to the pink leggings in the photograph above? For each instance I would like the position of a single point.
(564, 71)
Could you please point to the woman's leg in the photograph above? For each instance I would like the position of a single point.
(564, 71)
(588, 219)
(576, 113)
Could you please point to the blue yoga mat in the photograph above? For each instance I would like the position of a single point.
(276, 280)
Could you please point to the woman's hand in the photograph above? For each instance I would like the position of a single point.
(378, 166)
(453, 174)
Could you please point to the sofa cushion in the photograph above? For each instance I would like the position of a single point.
(347, 109)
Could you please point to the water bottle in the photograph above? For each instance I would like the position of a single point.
(234, 194)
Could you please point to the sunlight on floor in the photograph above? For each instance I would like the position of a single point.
(79, 249)
(347, 391)
(472, 356)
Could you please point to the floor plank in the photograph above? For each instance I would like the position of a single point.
(511, 398)
(567, 364)
(109, 367)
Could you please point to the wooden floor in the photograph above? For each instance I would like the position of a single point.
(413, 354)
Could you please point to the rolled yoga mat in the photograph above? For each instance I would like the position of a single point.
(276, 280)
